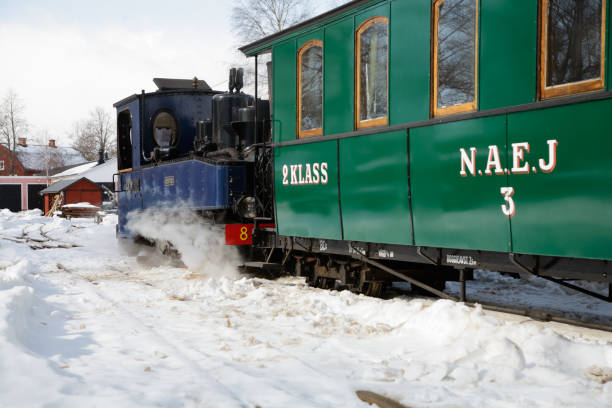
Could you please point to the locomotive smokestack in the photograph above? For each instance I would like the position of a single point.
(232, 80)
(239, 79)
(195, 83)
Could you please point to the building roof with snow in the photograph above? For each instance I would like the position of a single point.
(61, 186)
(74, 171)
(40, 158)
(35, 157)
(102, 173)
(98, 173)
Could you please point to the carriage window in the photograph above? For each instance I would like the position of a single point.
(572, 48)
(310, 92)
(372, 73)
(1, 165)
(455, 63)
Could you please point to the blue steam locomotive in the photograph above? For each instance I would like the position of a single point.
(186, 145)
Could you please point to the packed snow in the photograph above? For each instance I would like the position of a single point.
(80, 205)
(87, 320)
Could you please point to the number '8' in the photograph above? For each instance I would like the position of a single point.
(244, 234)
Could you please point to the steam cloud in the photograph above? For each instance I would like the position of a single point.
(200, 244)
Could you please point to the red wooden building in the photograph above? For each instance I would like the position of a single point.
(71, 192)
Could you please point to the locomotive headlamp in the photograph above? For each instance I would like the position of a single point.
(247, 207)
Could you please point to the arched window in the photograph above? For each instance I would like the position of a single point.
(372, 62)
(572, 49)
(455, 56)
(310, 89)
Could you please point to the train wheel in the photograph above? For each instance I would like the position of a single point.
(373, 288)
(324, 283)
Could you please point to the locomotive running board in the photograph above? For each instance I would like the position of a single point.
(357, 255)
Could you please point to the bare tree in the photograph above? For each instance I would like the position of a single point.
(254, 19)
(94, 134)
(12, 124)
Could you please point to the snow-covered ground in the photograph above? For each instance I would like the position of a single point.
(83, 324)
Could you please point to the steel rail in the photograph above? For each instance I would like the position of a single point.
(535, 314)
(541, 315)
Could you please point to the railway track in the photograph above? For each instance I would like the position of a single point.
(594, 321)
(542, 315)
(534, 313)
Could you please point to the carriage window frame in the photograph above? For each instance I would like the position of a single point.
(309, 132)
(570, 88)
(466, 106)
(1, 165)
(382, 121)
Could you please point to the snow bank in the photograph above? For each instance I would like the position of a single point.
(87, 326)
(201, 246)
(13, 275)
(25, 375)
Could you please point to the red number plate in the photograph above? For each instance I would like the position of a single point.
(239, 234)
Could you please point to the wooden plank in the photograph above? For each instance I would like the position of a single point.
(380, 400)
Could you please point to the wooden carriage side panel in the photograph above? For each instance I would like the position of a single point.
(338, 60)
(563, 195)
(285, 88)
(456, 202)
(508, 53)
(409, 61)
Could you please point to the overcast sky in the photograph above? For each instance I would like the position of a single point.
(65, 57)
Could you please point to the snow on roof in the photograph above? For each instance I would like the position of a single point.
(102, 173)
(98, 173)
(75, 171)
(34, 157)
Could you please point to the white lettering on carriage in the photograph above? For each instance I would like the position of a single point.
(305, 174)
(461, 260)
(520, 165)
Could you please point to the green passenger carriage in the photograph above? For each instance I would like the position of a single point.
(461, 133)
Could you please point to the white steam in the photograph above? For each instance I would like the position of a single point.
(200, 244)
